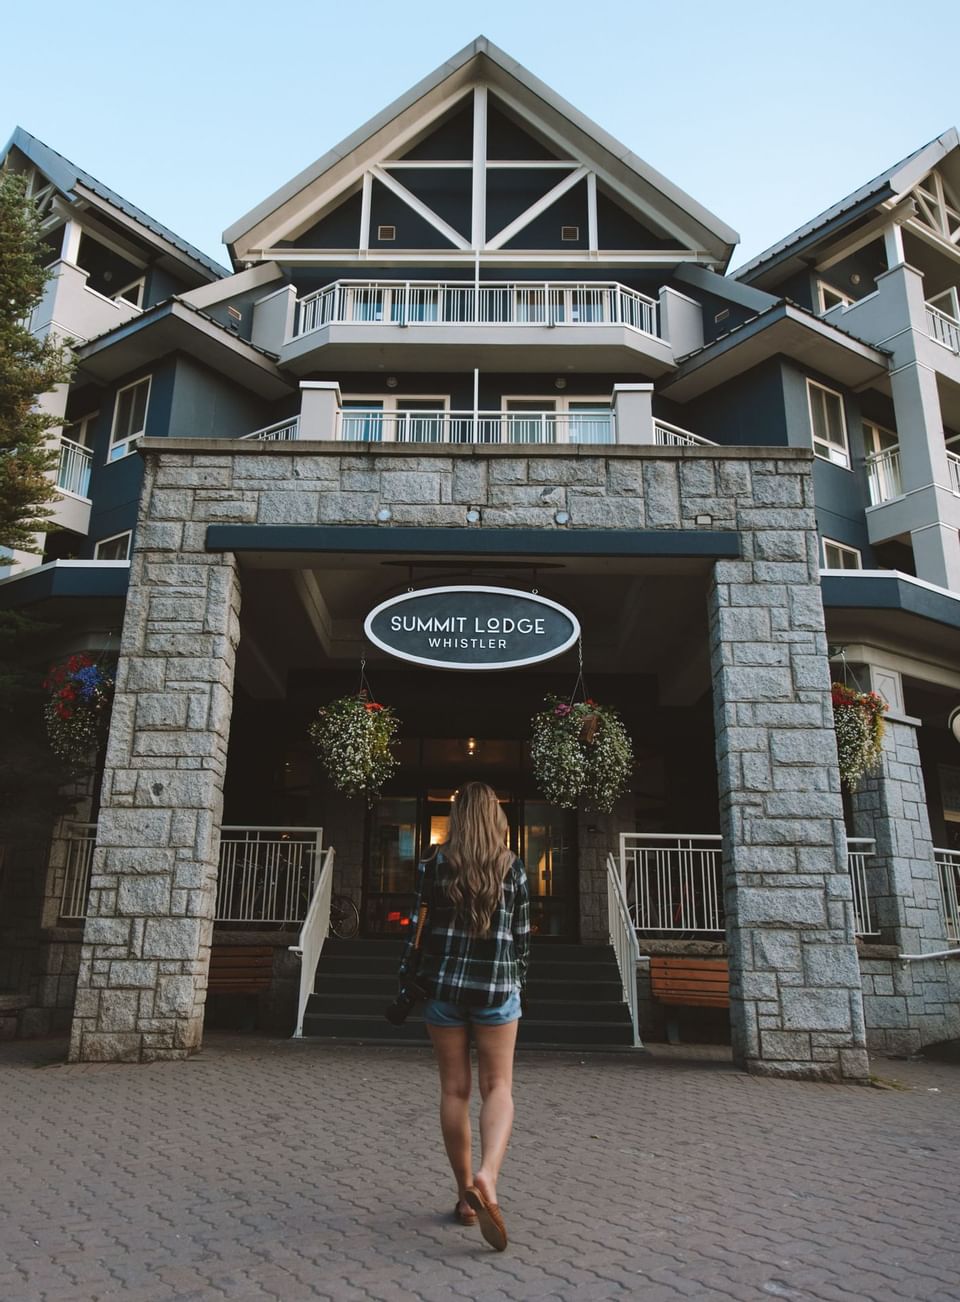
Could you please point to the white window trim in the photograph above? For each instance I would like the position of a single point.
(845, 299)
(874, 447)
(127, 533)
(825, 455)
(389, 401)
(129, 442)
(80, 431)
(841, 547)
(560, 403)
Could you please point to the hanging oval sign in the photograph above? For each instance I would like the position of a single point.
(472, 628)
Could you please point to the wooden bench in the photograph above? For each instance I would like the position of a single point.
(240, 969)
(691, 982)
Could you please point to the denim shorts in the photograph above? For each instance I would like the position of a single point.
(437, 1012)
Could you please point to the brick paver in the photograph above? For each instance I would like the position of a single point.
(274, 1169)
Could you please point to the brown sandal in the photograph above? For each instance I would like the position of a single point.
(488, 1214)
(464, 1218)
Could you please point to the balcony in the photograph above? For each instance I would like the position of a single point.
(73, 472)
(883, 475)
(72, 508)
(503, 325)
(528, 427)
(943, 328)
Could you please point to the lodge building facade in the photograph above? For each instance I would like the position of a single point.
(480, 343)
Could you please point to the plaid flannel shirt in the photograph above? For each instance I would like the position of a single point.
(457, 967)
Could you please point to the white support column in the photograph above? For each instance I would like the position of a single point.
(893, 245)
(319, 404)
(70, 248)
(592, 228)
(365, 197)
(633, 412)
(478, 227)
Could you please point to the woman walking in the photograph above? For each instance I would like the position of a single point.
(473, 965)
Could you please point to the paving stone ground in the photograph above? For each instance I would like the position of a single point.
(274, 1169)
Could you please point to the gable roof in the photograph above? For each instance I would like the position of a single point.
(891, 184)
(482, 61)
(76, 184)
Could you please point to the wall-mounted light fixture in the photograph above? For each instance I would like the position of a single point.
(953, 723)
(471, 746)
(560, 383)
(473, 515)
(392, 381)
(561, 517)
(384, 514)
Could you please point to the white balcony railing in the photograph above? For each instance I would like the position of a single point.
(948, 863)
(76, 877)
(278, 433)
(495, 303)
(860, 850)
(883, 475)
(482, 427)
(266, 874)
(672, 436)
(672, 884)
(953, 469)
(943, 328)
(73, 472)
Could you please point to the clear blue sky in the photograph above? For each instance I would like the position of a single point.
(765, 112)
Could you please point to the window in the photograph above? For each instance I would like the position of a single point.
(116, 548)
(402, 420)
(838, 556)
(557, 420)
(948, 302)
(828, 424)
(129, 418)
(830, 297)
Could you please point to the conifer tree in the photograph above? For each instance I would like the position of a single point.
(29, 367)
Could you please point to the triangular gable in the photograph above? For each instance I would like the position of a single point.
(76, 185)
(484, 102)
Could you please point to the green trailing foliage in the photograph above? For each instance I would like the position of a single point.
(29, 367)
(581, 751)
(353, 737)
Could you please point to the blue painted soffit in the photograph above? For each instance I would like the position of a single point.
(66, 175)
(65, 579)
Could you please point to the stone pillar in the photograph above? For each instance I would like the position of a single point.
(906, 1004)
(146, 947)
(796, 1006)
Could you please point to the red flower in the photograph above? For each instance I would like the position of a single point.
(372, 705)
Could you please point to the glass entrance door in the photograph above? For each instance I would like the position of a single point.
(403, 828)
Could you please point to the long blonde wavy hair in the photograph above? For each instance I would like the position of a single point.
(476, 849)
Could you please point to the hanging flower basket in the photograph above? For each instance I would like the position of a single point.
(581, 751)
(77, 714)
(353, 737)
(858, 721)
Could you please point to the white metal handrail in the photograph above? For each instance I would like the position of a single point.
(943, 328)
(948, 865)
(315, 929)
(623, 938)
(883, 475)
(953, 468)
(267, 874)
(375, 426)
(672, 883)
(73, 471)
(672, 436)
(515, 303)
(859, 850)
(280, 432)
(76, 877)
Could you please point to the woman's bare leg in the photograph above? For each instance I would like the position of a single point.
(495, 1046)
(451, 1044)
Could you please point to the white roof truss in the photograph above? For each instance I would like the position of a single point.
(376, 152)
(938, 207)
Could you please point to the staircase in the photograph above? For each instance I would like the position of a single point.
(574, 997)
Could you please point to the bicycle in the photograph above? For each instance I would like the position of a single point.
(344, 917)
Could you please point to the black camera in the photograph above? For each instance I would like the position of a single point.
(403, 1005)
